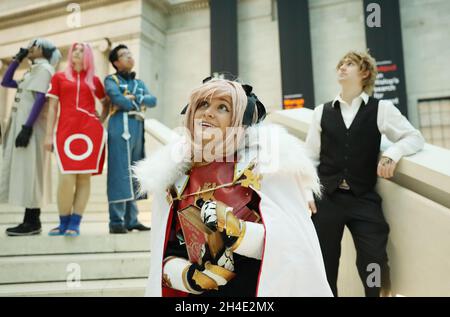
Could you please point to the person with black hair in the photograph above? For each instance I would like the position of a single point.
(25, 172)
(129, 98)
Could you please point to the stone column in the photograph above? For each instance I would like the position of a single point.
(101, 50)
(149, 71)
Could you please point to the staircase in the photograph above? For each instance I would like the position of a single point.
(94, 264)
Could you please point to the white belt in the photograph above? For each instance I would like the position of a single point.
(136, 113)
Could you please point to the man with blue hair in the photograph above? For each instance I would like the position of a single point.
(25, 171)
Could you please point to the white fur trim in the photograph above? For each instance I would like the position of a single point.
(275, 150)
(157, 172)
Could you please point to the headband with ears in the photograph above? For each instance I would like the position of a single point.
(253, 104)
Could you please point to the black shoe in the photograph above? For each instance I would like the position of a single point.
(139, 227)
(24, 229)
(117, 229)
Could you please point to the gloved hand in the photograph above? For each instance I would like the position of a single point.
(218, 216)
(241, 237)
(24, 136)
(213, 272)
(180, 274)
(208, 213)
(23, 52)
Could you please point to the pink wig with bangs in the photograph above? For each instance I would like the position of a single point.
(217, 88)
(88, 64)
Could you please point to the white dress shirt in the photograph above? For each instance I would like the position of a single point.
(405, 138)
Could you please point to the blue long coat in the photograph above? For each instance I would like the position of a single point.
(125, 135)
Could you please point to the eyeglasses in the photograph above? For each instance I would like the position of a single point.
(124, 54)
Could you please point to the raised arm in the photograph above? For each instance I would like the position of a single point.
(8, 80)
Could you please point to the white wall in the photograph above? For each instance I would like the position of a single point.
(186, 60)
(258, 50)
(426, 49)
(337, 26)
(173, 49)
(152, 50)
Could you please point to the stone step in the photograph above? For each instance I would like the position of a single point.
(94, 238)
(143, 205)
(52, 208)
(13, 218)
(54, 268)
(108, 288)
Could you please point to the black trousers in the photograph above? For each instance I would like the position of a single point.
(363, 216)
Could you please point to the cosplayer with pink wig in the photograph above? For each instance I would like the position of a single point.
(87, 63)
(79, 138)
(256, 218)
(216, 141)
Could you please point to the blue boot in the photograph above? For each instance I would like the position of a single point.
(73, 229)
(63, 223)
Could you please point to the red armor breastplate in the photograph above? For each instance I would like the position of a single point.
(211, 176)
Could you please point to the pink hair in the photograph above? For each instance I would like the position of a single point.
(88, 65)
(217, 88)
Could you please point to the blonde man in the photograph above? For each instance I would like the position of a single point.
(344, 142)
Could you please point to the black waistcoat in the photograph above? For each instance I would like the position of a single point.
(350, 154)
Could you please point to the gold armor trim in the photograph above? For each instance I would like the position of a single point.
(233, 225)
(184, 278)
(166, 281)
(185, 281)
(241, 167)
(169, 258)
(227, 220)
(204, 281)
(220, 271)
(241, 237)
(251, 179)
(208, 195)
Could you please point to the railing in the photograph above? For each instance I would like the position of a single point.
(426, 173)
(416, 205)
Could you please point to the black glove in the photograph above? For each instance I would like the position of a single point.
(24, 136)
(21, 54)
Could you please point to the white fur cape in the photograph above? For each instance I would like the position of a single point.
(292, 262)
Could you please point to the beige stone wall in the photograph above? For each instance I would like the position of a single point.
(171, 42)
(336, 27)
(417, 209)
(426, 47)
(186, 59)
(259, 52)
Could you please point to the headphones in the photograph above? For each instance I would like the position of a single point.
(253, 102)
